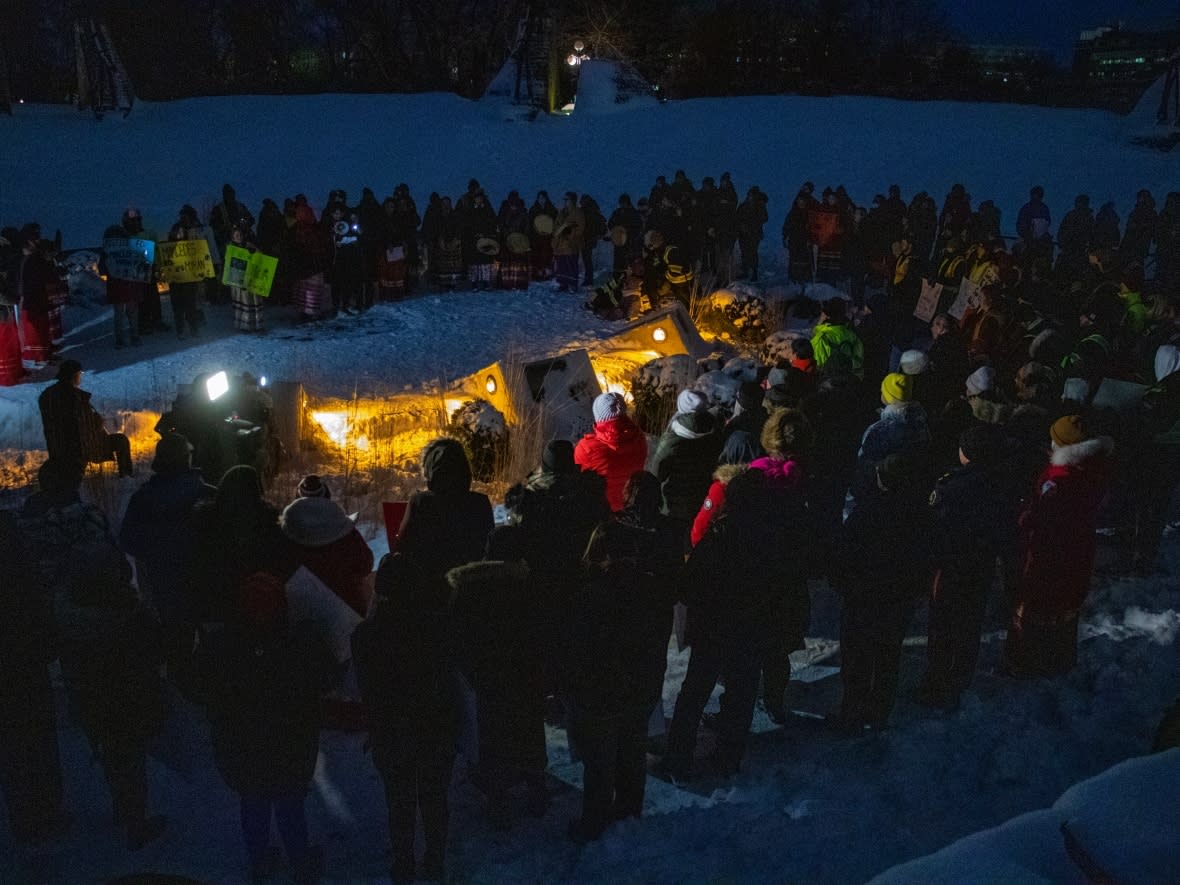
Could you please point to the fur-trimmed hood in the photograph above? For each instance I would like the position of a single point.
(990, 412)
(1083, 453)
(726, 472)
(491, 574)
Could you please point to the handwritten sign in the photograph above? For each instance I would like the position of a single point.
(928, 301)
(968, 297)
(129, 259)
(185, 261)
(247, 270)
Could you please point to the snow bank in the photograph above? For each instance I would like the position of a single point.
(1125, 821)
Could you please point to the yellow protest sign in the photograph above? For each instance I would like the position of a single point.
(184, 261)
(248, 270)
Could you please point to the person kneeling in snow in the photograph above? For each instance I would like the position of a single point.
(1057, 552)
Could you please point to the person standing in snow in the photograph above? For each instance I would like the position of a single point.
(32, 277)
(732, 586)
(901, 429)
(880, 571)
(157, 530)
(480, 242)
(1057, 552)
(264, 676)
(247, 305)
(447, 525)
(542, 221)
(499, 612)
(616, 448)
(185, 297)
(751, 217)
(625, 218)
(126, 296)
(569, 237)
(404, 655)
(107, 641)
(1140, 231)
(786, 439)
(685, 458)
(595, 230)
(30, 762)
(1033, 227)
(621, 620)
(971, 512)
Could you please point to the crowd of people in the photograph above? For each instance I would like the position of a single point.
(677, 237)
(962, 465)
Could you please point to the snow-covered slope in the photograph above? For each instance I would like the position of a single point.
(67, 170)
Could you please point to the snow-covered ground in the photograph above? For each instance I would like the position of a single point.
(809, 806)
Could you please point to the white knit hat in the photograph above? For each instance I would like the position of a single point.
(981, 380)
(691, 401)
(315, 522)
(608, 406)
(914, 362)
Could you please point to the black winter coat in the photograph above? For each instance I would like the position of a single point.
(110, 655)
(622, 616)
(500, 636)
(883, 563)
(158, 531)
(685, 459)
(264, 693)
(404, 655)
(74, 432)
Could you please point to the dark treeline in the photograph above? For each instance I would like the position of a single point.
(179, 48)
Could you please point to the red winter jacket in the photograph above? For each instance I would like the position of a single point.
(616, 449)
(343, 566)
(1057, 530)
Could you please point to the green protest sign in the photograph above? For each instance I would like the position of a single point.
(247, 270)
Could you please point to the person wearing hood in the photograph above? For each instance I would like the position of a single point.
(834, 334)
(447, 525)
(328, 544)
(739, 450)
(74, 431)
(901, 429)
(622, 618)
(1156, 458)
(881, 569)
(786, 439)
(157, 530)
(236, 535)
(264, 673)
(970, 511)
(404, 655)
(615, 449)
(1057, 552)
(685, 457)
(498, 623)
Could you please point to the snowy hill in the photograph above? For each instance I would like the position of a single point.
(71, 172)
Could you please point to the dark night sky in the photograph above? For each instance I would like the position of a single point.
(1053, 24)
